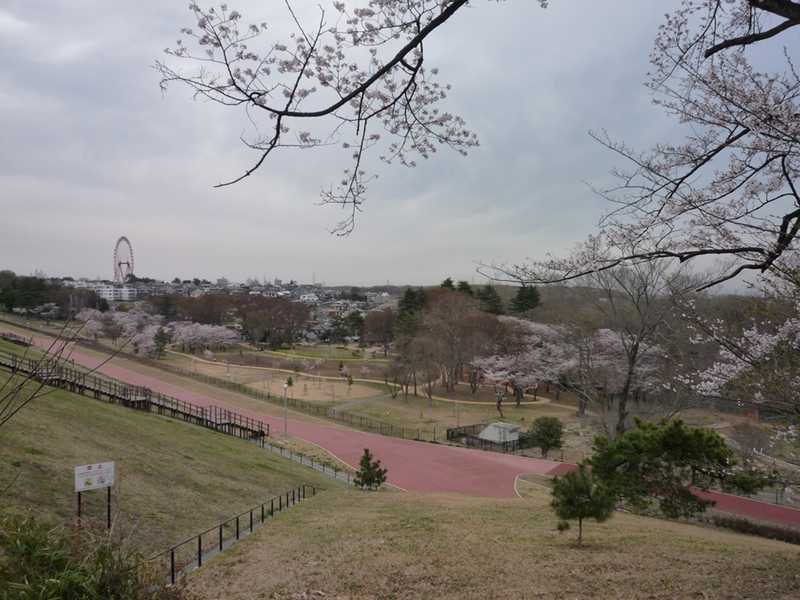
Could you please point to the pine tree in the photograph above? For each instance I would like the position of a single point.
(448, 284)
(490, 300)
(408, 310)
(527, 299)
(161, 339)
(577, 495)
(370, 475)
(546, 433)
(465, 288)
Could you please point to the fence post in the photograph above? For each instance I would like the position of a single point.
(280, 503)
(251, 520)
(237, 527)
(272, 507)
(199, 550)
(172, 565)
(220, 537)
(262, 512)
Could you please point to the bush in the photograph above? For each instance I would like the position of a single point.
(370, 475)
(773, 532)
(546, 433)
(41, 561)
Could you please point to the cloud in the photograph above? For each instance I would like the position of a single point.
(10, 24)
(92, 149)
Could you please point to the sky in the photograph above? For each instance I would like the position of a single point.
(92, 149)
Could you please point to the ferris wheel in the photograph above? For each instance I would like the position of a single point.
(123, 260)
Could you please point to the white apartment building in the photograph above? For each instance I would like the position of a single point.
(116, 293)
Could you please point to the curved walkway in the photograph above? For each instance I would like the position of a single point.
(417, 466)
(422, 466)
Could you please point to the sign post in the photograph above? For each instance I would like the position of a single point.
(95, 477)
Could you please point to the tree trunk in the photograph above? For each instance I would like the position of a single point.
(582, 405)
(580, 530)
(622, 415)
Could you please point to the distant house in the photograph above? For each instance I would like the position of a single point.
(500, 432)
(309, 299)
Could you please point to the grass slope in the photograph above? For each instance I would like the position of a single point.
(174, 479)
(348, 544)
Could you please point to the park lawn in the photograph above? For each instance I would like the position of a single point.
(326, 352)
(358, 545)
(358, 367)
(174, 479)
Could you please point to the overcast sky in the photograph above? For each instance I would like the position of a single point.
(92, 150)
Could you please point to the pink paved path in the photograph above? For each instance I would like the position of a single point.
(417, 466)
(421, 466)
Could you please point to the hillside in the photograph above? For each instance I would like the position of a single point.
(389, 545)
(174, 479)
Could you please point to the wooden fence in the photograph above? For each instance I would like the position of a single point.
(58, 374)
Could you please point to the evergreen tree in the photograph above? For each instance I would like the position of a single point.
(490, 300)
(370, 475)
(161, 339)
(355, 324)
(465, 288)
(448, 284)
(546, 434)
(408, 310)
(660, 463)
(577, 495)
(527, 299)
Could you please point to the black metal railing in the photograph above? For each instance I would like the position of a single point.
(468, 436)
(193, 552)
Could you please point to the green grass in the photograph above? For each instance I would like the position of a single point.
(348, 544)
(174, 479)
(7, 346)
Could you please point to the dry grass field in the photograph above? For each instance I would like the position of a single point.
(354, 545)
(174, 479)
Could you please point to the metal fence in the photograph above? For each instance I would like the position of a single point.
(468, 436)
(312, 408)
(193, 552)
(343, 475)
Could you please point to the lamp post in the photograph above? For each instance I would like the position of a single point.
(285, 411)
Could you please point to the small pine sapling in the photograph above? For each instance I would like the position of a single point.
(578, 496)
(370, 475)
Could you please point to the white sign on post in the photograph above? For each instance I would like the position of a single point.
(94, 477)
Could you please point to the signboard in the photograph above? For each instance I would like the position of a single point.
(94, 477)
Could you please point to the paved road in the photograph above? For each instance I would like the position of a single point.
(421, 466)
